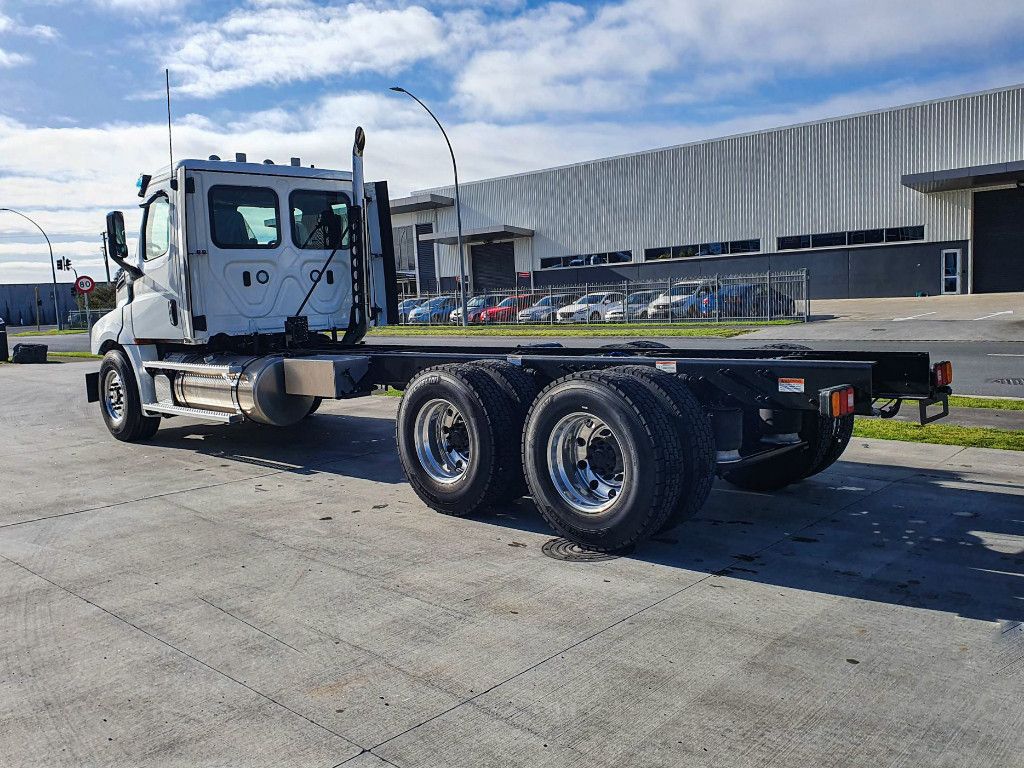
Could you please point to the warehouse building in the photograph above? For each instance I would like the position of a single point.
(917, 200)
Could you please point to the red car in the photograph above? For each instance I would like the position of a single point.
(508, 310)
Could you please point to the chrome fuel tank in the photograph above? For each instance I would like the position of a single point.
(258, 391)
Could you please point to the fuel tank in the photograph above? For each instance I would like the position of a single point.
(258, 391)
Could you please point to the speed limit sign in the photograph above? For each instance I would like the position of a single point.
(85, 284)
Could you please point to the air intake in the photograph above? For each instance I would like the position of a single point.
(239, 157)
(296, 162)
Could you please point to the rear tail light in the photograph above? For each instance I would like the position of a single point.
(838, 401)
(942, 374)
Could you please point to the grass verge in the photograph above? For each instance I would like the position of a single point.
(51, 332)
(940, 434)
(994, 403)
(713, 330)
(76, 355)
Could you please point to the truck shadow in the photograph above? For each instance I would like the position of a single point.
(931, 539)
(341, 444)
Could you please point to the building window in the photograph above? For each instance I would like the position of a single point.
(744, 246)
(794, 242)
(658, 254)
(703, 249)
(853, 237)
(865, 236)
(904, 234)
(244, 217)
(587, 260)
(828, 239)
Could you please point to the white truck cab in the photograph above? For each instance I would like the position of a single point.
(237, 265)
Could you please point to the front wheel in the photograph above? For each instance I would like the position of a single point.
(120, 403)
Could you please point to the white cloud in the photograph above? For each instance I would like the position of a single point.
(271, 43)
(10, 27)
(623, 55)
(67, 178)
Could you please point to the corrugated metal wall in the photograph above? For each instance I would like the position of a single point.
(833, 175)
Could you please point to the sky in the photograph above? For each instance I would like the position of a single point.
(519, 86)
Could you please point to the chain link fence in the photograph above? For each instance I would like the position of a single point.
(759, 297)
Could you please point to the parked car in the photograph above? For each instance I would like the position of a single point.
(475, 305)
(739, 300)
(590, 308)
(634, 307)
(670, 302)
(507, 310)
(406, 306)
(543, 311)
(434, 310)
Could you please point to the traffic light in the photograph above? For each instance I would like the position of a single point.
(63, 264)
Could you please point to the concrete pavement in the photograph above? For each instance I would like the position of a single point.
(251, 596)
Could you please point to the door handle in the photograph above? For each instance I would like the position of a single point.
(172, 311)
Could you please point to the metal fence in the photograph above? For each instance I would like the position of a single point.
(752, 297)
(85, 318)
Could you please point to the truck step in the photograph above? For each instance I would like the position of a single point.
(168, 409)
(232, 371)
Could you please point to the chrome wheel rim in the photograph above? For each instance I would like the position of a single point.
(442, 441)
(585, 463)
(113, 396)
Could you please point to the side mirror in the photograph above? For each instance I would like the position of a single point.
(117, 244)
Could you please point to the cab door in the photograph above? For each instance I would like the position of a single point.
(256, 250)
(156, 309)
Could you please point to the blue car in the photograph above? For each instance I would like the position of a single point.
(739, 300)
(406, 306)
(434, 311)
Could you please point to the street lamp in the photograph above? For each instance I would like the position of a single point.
(458, 205)
(53, 267)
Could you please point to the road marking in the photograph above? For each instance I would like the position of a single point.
(995, 314)
(1003, 354)
(912, 317)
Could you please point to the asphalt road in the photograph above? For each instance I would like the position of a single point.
(255, 596)
(977, 365)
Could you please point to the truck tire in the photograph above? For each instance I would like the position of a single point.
(696, 439)
(120, 403)
(602, 458)
(522, 388)
(789, 467)
(452, 433)
(838, 437)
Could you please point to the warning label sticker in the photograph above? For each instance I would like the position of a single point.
(668, 366)
(791, 385)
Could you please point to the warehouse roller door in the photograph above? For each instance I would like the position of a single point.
(998, 241)
(493, 266)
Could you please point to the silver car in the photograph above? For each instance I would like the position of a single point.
(543, 311)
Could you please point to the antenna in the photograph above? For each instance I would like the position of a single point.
(170, 145)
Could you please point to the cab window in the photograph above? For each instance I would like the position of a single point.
(244, 217)
(319, 219)
(156, 236)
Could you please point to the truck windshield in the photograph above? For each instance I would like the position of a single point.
(319, 219)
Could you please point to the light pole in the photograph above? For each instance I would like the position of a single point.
(53, 267)
(463, 276)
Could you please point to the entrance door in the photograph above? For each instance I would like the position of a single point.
(951, 270)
